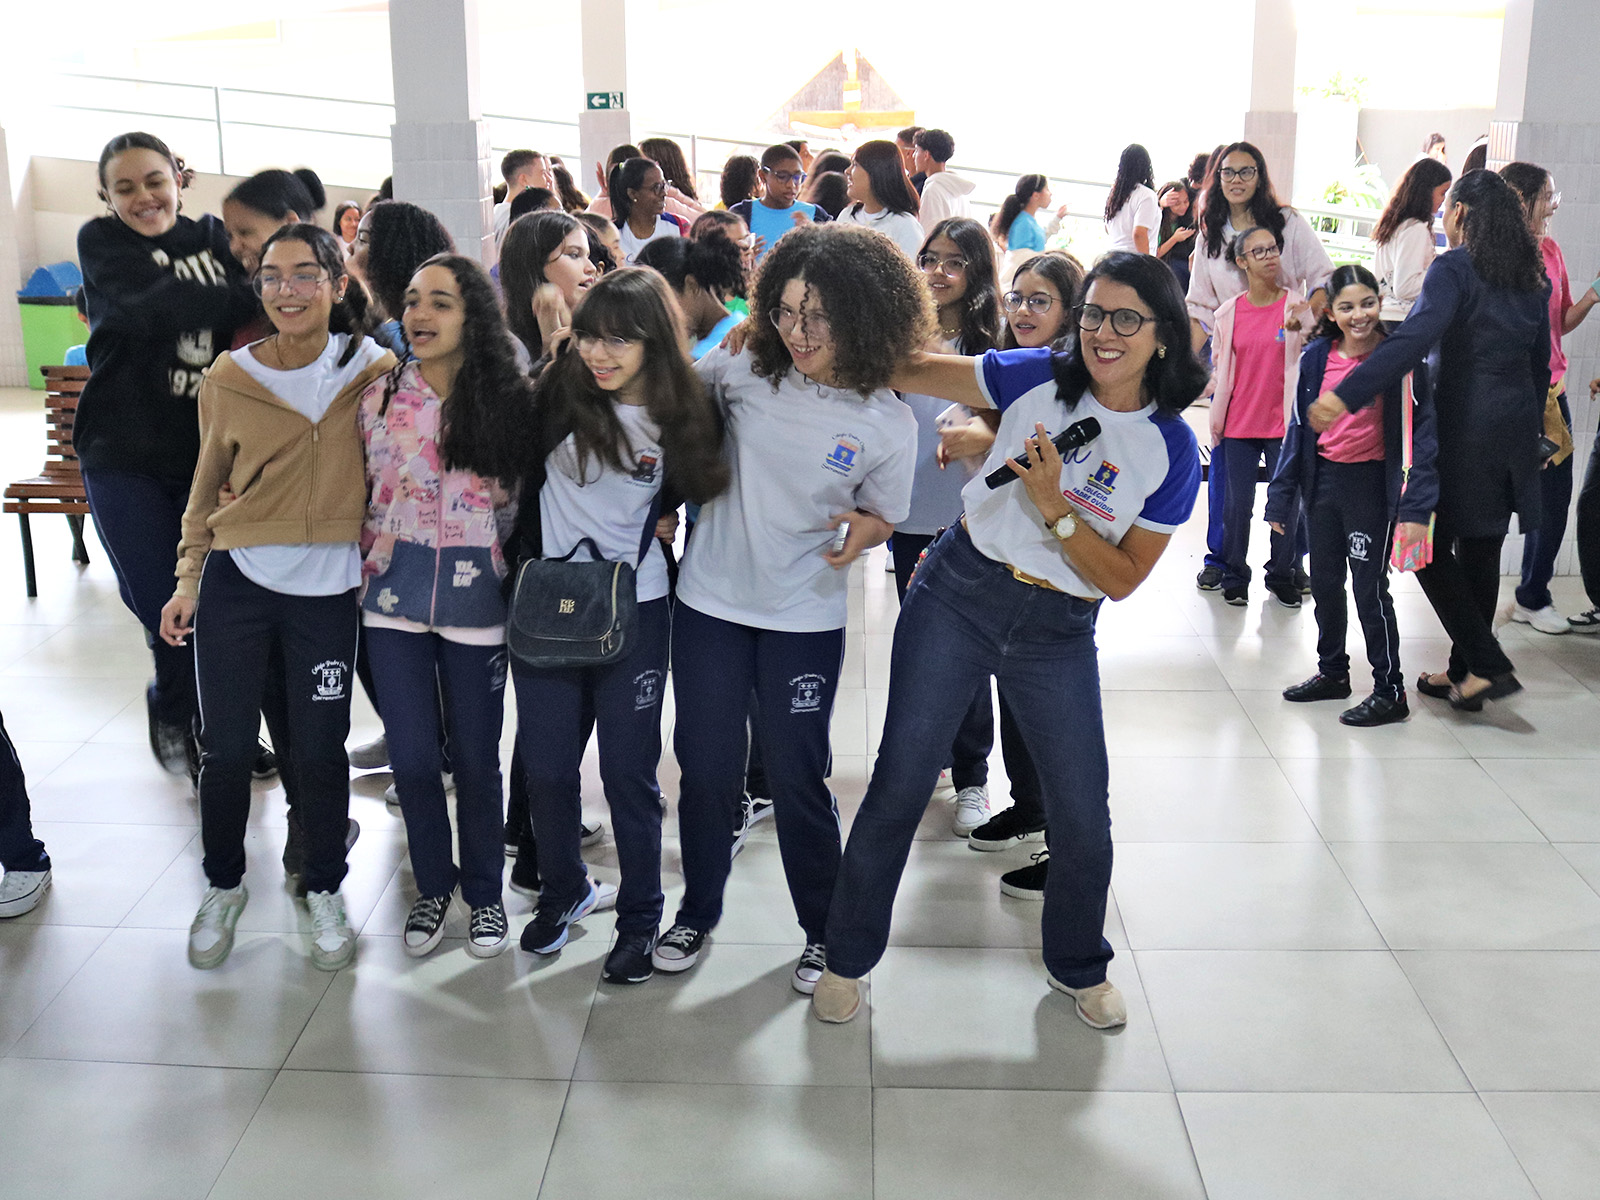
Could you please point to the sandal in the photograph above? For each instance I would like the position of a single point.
(1425, 685)
(1499, 687)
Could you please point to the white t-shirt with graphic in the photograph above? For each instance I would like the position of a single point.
(1143, 470)
(606, 505)
(800, 453)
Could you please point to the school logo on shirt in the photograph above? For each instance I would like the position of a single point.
(842, 459)
(807, 694)
(1106, 477)
(645, 470)
(648, 690)
(330, 677)
(1360, 543)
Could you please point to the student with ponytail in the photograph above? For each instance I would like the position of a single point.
(705, 273)
(258, 208)
(638, 191)
(278, 568)
(1016, 225)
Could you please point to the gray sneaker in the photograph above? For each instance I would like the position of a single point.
(21, 891)
(211, 933)
(333, 942)
(370, 756)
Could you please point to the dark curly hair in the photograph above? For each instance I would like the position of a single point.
(1412, 199)
(876, 303)
(1065, 274)
(713, 261)
(403, 237)
(528, 245)
(980, 307)
(1349, 275)
(350, 314)
(1174, 380)
(741, 175)
(1265, 211)
(633, 303)
(489, 408)
(1495, 229)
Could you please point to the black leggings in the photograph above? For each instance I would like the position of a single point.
(1463, 584)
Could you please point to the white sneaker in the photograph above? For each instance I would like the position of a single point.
(1545, 620)
(391, 794)
(370, 756)
(605, 896)
(1099, 1007)
(972, 810)
(21, 891)
(945, 789)
(333, 942)
(211, 933)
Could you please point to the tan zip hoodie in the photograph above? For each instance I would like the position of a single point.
(296, 483)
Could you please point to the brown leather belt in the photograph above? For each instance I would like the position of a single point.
(1018, 573)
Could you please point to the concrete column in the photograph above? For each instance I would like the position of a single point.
(1547, 112)
(1270, 122)
(605, 69)
(13, 363)
(440, 142)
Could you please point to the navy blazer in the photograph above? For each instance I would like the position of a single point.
(1492, 375)
(1412, 499)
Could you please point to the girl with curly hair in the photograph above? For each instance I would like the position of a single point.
(1485, 305)
(1012, 590)
(623, 431)
(392, 241)
(440, 432)
(819, 447)
(278, 566)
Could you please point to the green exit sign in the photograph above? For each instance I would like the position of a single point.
(604, 100)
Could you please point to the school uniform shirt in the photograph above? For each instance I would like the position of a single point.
(607, 505)
(799, 453)
(1143, 470)
(1025, 234)
(1304, 266)
(160, 311)
(773, 223)
(1400, 264)
(666, 227)
(935, 490)
(902, 228)
(1256, 408)
(1354, 437)
(1141, 210)
(321, 569)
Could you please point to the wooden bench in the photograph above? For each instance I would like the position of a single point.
(58, 488)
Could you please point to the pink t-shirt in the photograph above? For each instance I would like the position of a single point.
(1255, 407)
(1555, 266)
(1354, 437)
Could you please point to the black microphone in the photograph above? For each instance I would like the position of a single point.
(1078, 434)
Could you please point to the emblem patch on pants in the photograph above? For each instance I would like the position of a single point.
(648, 694)
(1359, 544)
(330, 679)
(807, 694)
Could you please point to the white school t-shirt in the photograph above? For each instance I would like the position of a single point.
(632, 243)
(1143, 469)
(323, 568)
(607, 505)
(899, 227)
(800, 453)
(1142, 210)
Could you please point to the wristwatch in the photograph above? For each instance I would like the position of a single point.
(1065, 527)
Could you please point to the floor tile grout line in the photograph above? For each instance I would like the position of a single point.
(105, 933)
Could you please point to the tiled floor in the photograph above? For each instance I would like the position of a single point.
(1357, 963)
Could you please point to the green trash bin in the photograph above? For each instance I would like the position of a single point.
(50, 327)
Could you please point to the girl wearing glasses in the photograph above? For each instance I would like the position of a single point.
(882, 197)
(258, 208)
(279, 567)
(163, 295)
(1012, 591)
(1257, 342)
(816, 442)
(638, 193)
(620, 421)
(1239, 196)
(779, 207)
(439, 508)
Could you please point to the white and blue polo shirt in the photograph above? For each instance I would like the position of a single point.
(1143, 469)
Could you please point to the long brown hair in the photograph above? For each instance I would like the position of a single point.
(1412, 199)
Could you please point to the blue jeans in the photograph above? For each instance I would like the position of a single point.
(715, 664)
(1540, 546)
(1243, 456)
(241, 632)
(411, 671)
(140, 521)
(966, 617)
(553, 720)
(19, 849)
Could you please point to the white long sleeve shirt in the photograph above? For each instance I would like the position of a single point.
(1305, 265)
(1400, 263)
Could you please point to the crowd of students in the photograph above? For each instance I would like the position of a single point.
(319, 456)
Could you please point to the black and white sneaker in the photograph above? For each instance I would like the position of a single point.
(741, 831)
(678, 949)
(757, 808)
(488, 932)
(547, 932)
(425, 924)
(629, 960)
(1007, 828)
(813, 961)
(589, 834)
(1027, 883)
(266, 764)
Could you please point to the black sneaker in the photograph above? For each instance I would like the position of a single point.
(741, 829)
(1027, 883)
(1236, 596)
(168, 740)
(1319, 687)
(1285, 593)
(813, 961)
(1005, 829)
(525, 879)
(678, 949)
(1209, 579)
(425, 924)
(629, 960)
(547, 932)
(1302, 581)
(266, 764)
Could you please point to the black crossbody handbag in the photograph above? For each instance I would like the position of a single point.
(576, 614)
